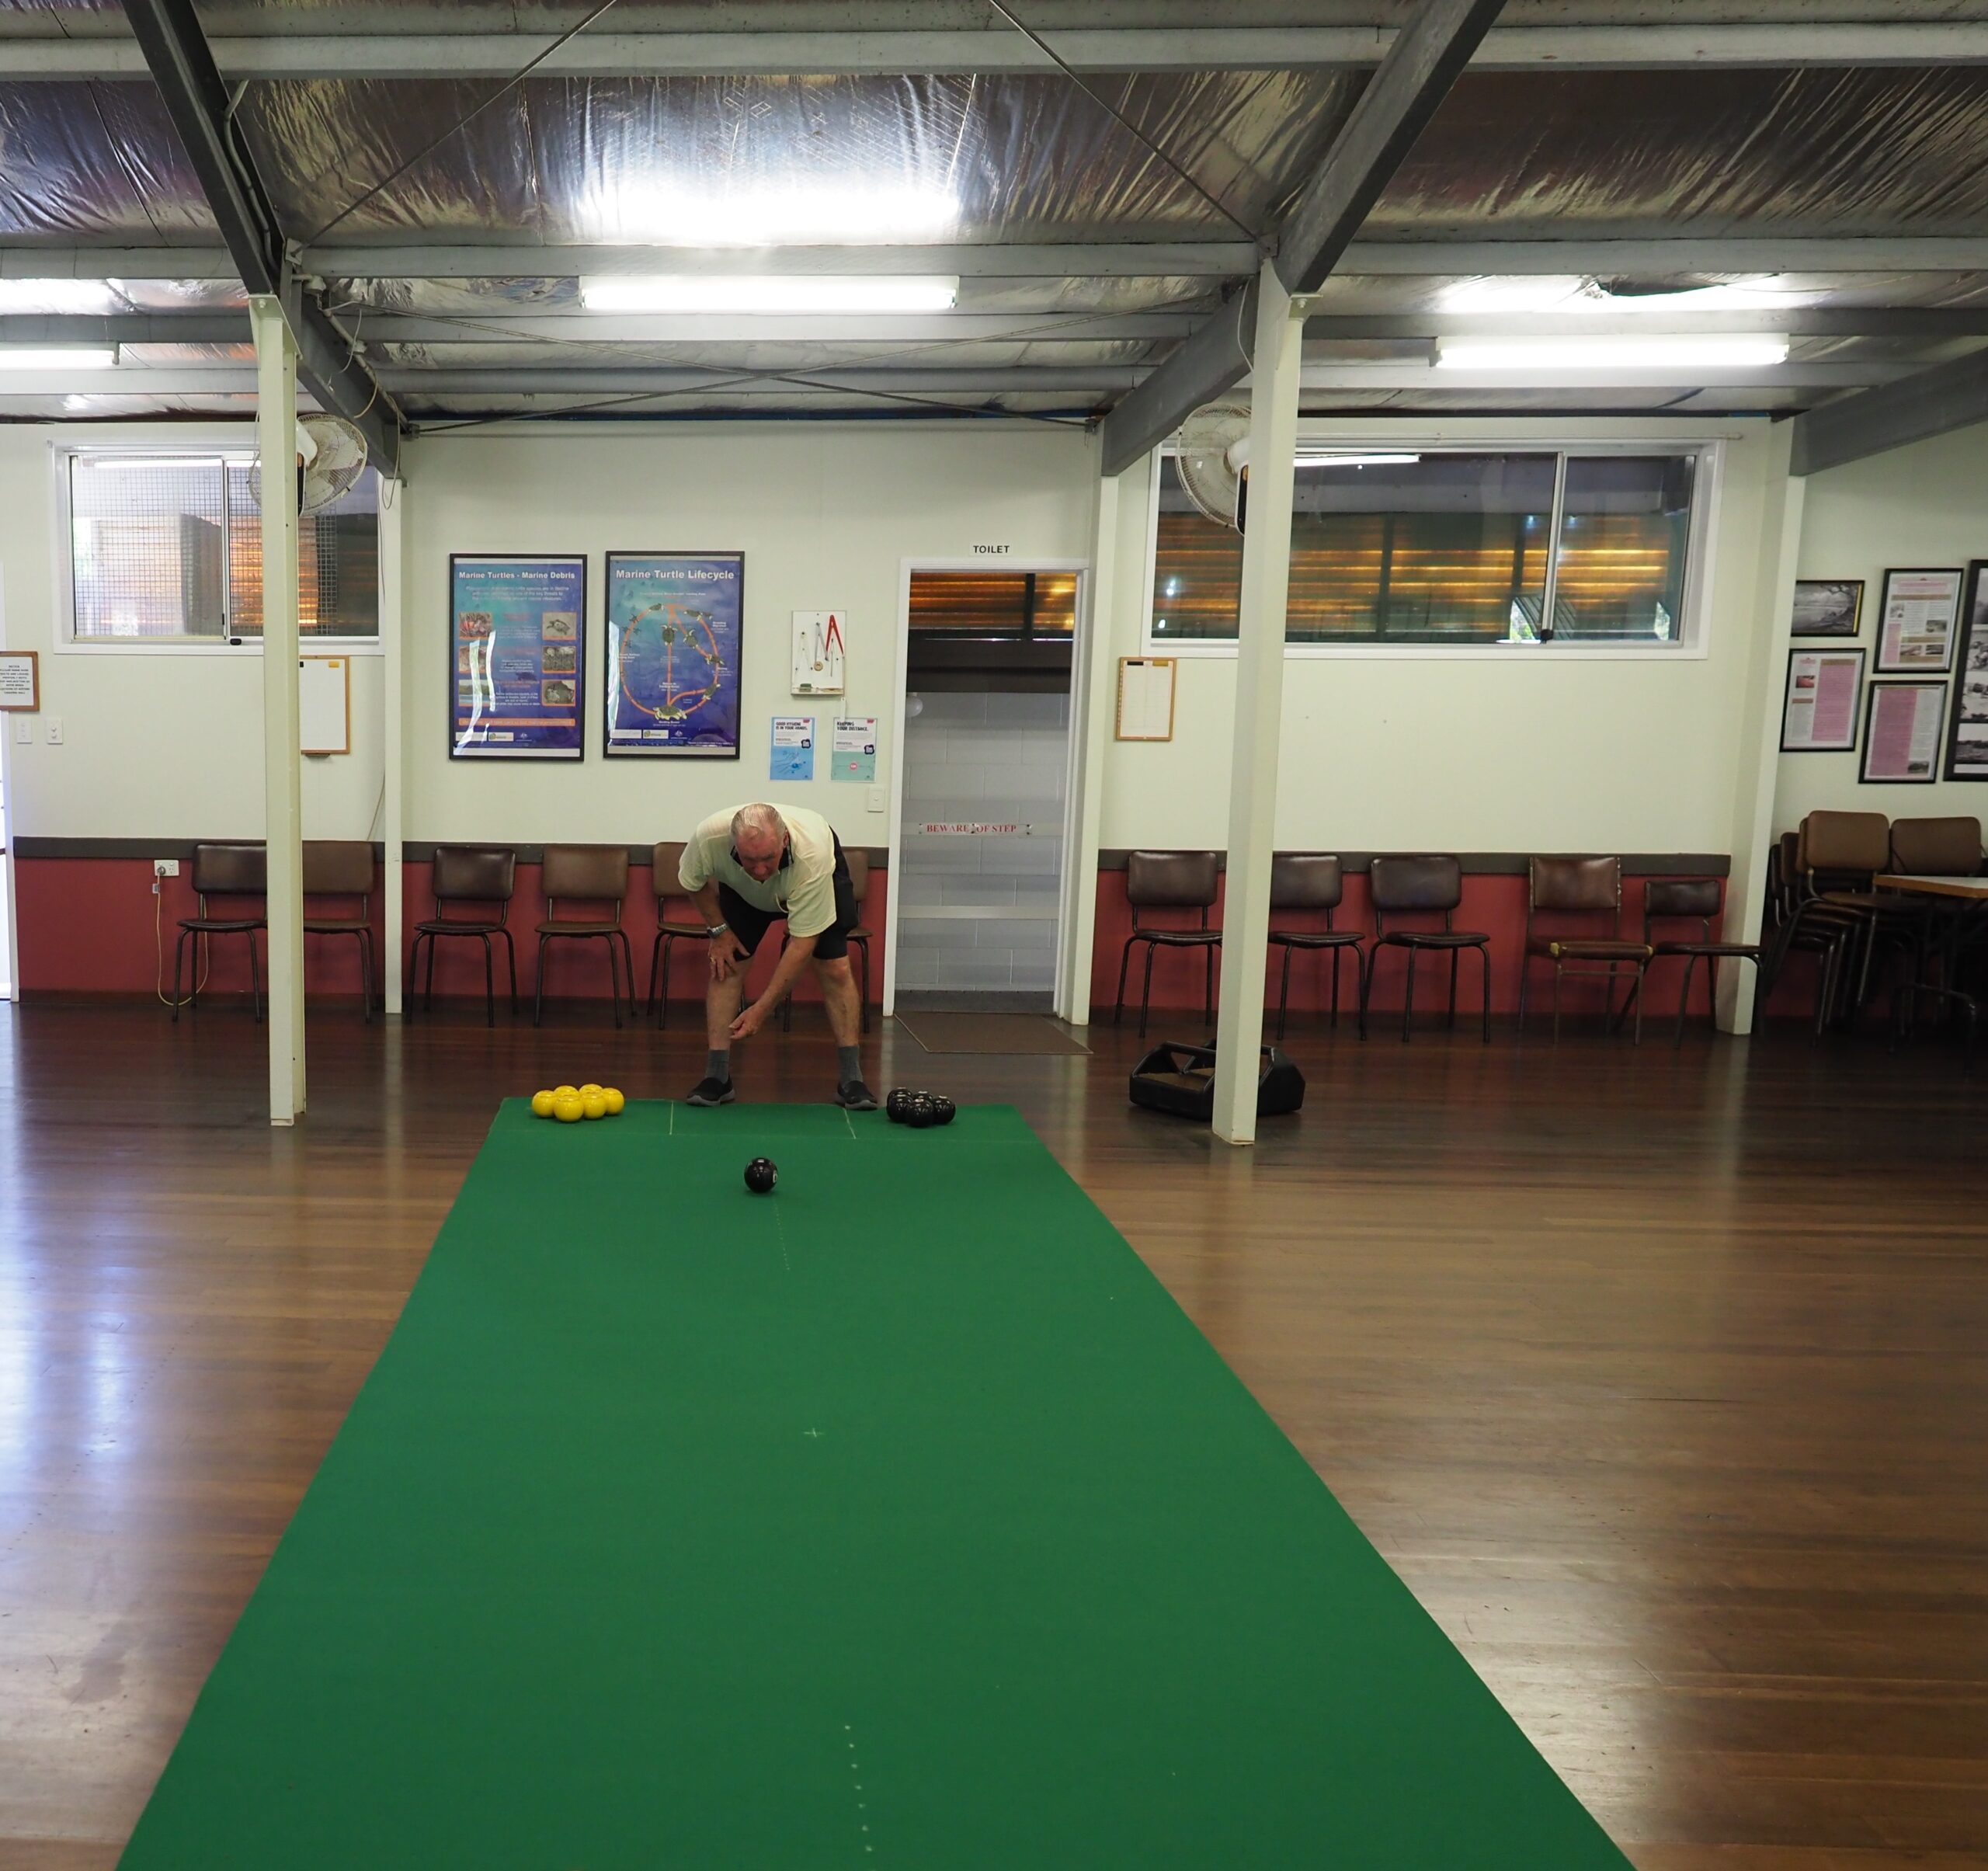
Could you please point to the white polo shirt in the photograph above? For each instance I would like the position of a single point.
(803, 889)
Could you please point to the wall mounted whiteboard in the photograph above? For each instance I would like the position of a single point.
(323, 703)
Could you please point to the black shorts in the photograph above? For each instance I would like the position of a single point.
(749, 923)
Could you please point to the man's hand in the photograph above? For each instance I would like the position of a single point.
(727, 952)
(750, 1019)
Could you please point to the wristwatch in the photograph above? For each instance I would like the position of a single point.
(716, 930)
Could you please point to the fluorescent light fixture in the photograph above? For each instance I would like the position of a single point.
(99, 463)
(1657, 351)
(809, 214)
(770, 294)
(68, 357)
(87, 296)
(1339, 460)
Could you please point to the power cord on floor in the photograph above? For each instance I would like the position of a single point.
(200, 954)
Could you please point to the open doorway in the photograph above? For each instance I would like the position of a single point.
(976, 891)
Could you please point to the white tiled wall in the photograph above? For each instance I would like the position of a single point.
(990, 760)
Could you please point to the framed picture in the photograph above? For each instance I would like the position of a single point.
(1819, 713)
(1916, 622)
(517, 653)
(675, 627)
(1828, 607)
(1902, 733)
(1967, 721)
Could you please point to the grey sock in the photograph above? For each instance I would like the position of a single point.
(849, 1065)
(718, 1065)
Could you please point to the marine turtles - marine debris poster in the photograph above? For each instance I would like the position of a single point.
(673, 636)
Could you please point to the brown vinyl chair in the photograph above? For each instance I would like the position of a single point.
(1937, 847)
(675, 922)
(1686, 899)
(1421, 886)
(236, 870)
(343, 867)
(1310, 881)
(1170, 880)
(1590, 888)
(1836, 913)
(859, 938)
(480, 878)
(586, 873)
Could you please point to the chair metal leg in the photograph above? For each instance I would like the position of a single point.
(254, 980)
(428, 990)
(1684, 998)
(538, 1004)
(1284, 990)
(1456, 956)
(511, 957)
(178, 954)
(1636, 995)
(655, 965)
(1367, 964)
(667, 944)
(1125, 961)
(489, 982)
(614, 980)
(1484, 962)
(1408, 995)
(1337, 952)
(1145, 992)
(628, 968)
(1208, 990)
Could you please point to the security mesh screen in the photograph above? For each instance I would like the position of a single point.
(172, 547)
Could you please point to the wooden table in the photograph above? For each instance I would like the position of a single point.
(1970, 889)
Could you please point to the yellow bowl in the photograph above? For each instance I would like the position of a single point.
(613, 1100)
(593, 1105)
(589, 1090)
(541, 1104)
(568, 1110)
(565, 1091)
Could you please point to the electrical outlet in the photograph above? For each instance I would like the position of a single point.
(165, 867)
(54, 730)
(879, 798)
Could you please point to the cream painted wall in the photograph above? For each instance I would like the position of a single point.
(1926, 505)
(155, 743)
(1527, 752)
(824, 517)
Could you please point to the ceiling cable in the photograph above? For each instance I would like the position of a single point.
(1124, 123)
(509, 84)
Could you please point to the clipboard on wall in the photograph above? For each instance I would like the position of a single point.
(1146, 698)
(324, 704)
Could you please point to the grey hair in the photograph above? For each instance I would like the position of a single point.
(763, 820)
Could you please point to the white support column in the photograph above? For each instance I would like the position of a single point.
(1759, 765)
(1090, 730)
(1259, 708)
(276, 441)
(393, 503)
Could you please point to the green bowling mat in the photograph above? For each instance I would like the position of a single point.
(898, 1520)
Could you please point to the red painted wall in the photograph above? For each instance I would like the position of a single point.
(1495, 904)
(86, 927)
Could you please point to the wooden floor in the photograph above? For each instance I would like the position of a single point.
(1662, 1379)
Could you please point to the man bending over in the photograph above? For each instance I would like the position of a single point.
(744, 869)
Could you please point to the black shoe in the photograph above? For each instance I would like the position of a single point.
(855, 1096)
(711, 1091)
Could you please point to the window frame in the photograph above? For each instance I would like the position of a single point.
(1692, 643)
(62, 458)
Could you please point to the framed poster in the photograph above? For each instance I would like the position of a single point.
(675, 629)
(1902, 733)
(517, 655)
(1819, 714)
(1967, 722)
(1916, 623)
(1827, 607)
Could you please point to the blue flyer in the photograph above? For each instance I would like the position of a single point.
(793, 748)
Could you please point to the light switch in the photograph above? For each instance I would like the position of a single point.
(55, 730)
(879, 799)
(24, 729)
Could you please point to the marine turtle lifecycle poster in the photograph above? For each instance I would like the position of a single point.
(517, 642)
(673, 635)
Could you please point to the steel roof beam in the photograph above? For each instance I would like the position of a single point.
(1422, 64)
(1634, 43)
(1913, 408)
(195, 99)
